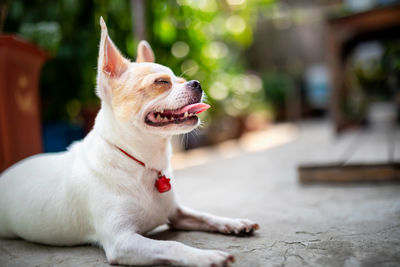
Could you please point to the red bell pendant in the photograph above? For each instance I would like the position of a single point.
(163, 184)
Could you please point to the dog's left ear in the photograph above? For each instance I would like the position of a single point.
(144, 52)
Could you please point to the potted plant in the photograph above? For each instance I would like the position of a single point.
(20, 65)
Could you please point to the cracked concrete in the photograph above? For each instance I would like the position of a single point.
(317, 225)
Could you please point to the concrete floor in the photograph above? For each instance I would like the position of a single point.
(317, 225)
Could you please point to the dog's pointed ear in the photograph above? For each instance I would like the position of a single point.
(144, 52)
(110, 62)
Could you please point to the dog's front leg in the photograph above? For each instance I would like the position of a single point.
(187, 219)
(133, 249)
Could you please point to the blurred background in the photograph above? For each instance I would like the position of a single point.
(260, 62)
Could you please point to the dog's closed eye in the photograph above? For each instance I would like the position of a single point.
(162, 81)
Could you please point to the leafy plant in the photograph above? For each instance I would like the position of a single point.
(45, 34)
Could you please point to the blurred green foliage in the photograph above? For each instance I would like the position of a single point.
(203, 40)
(277, 86)
(375, 78)
(45, 34)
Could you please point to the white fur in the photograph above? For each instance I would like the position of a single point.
(93, 193)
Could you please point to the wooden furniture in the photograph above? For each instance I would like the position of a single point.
(20, 128)
(344, 33)
(379, 172)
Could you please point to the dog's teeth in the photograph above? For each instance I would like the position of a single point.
(165, 119)
(186, 114)
(161, 110)
(158, 117)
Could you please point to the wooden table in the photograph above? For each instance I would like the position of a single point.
(344, 33)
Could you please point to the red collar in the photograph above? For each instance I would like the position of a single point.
(162, 182)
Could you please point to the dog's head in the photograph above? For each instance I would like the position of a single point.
(145, 94)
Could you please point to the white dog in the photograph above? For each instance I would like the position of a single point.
(113, 186)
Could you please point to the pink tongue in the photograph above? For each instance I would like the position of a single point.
(195, 108)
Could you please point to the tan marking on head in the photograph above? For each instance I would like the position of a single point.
(133, 89)
(180, 80)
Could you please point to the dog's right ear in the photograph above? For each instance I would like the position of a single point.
(144, 52)
(110, 65)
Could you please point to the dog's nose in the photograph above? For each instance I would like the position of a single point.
(195, 85)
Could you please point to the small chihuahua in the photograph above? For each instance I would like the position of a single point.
(112, 187)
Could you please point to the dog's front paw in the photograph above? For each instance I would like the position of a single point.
(237, 226)
(214, 258)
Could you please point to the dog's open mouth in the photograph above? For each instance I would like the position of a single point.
(163, 117)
